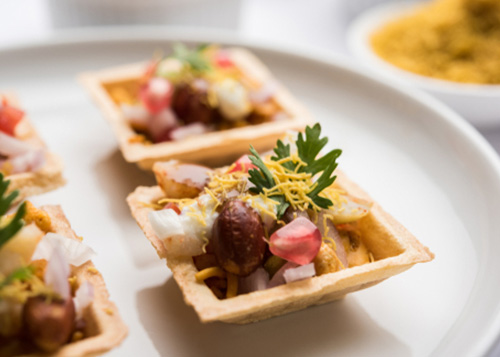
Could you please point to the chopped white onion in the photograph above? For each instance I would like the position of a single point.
(180, 233)
(299, 273)
(10, 146)
(57, 272)
(200, 84)
(161, 122)
(278, 277)
(258, 280)
(234, 102)
(158, 87)
(30, 161)
(264, 93)
(76, 252)
(83, 297)
(188, 130)
(137, 115)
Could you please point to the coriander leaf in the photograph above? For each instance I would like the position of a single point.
(19, 274)
(263, 178)
(283, 151)
(194, 58)
(16, 223)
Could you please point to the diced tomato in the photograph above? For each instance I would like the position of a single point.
(173, 206)
(223, 60)
(9, 118)
(298, 242)
(156, 94)
(243, 164)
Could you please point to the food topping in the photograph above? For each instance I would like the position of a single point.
(238, 238)
(198, 90)
(264, 221)
(38, 289)
(16, 154)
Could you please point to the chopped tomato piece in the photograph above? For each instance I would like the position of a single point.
(298, 242)
(9, 118)
(156, 94)
(223, 60)
(173, 206)
(243, 164)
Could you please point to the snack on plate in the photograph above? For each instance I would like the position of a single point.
(270, 235)
(24, 158)
(53, 301)
(201, 105)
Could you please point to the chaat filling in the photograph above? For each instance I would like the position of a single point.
(192, 92)
(263, 221)
(42, 301)
(19, 151)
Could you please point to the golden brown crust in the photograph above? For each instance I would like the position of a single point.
(48, 178)
(104, 324)
(394, 248)
(212, 149)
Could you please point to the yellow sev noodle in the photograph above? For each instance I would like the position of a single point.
(456, 40)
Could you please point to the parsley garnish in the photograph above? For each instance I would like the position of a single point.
(23, 273)
(16, 223)
(307, 150)
(194, 58)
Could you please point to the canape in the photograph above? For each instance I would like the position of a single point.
(53, 301)
(270, 235)
(24, 158)
(203, 105)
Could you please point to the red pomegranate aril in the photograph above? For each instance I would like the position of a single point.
(299, 241)
(223, 60)
(156, 94)
(243, 164)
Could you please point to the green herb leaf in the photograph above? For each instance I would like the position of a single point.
(23, 273)
(308, 149)
(10, 230)
(194, 58)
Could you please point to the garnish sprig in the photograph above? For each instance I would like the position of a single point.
(16, 223)
(308, 148)
(194, 58)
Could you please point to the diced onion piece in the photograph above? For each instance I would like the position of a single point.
(30, 161)
(278, 278)
(264, 93)
(10, 146)
(258, 280)
(168, 226)
(160, 125)
(136, 115)
(169, 67)
(57, 272)
(232, 96)
(186, 131)
(299, 241)
(156, 95)
(349, 209)
(330, 231)
(75, 252)
(83, 297)
(299, 273)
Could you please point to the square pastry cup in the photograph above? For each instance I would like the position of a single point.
(105, 328)
(393, 247)
(214, 148)
(47, 178)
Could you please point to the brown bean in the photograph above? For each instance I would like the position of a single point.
(191, 105)
(49, 324)
(238, 238)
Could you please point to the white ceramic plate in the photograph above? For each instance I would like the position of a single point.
(477, 103)
(424, 164)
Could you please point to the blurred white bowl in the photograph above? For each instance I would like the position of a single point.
(202, 13)
(480, 104)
